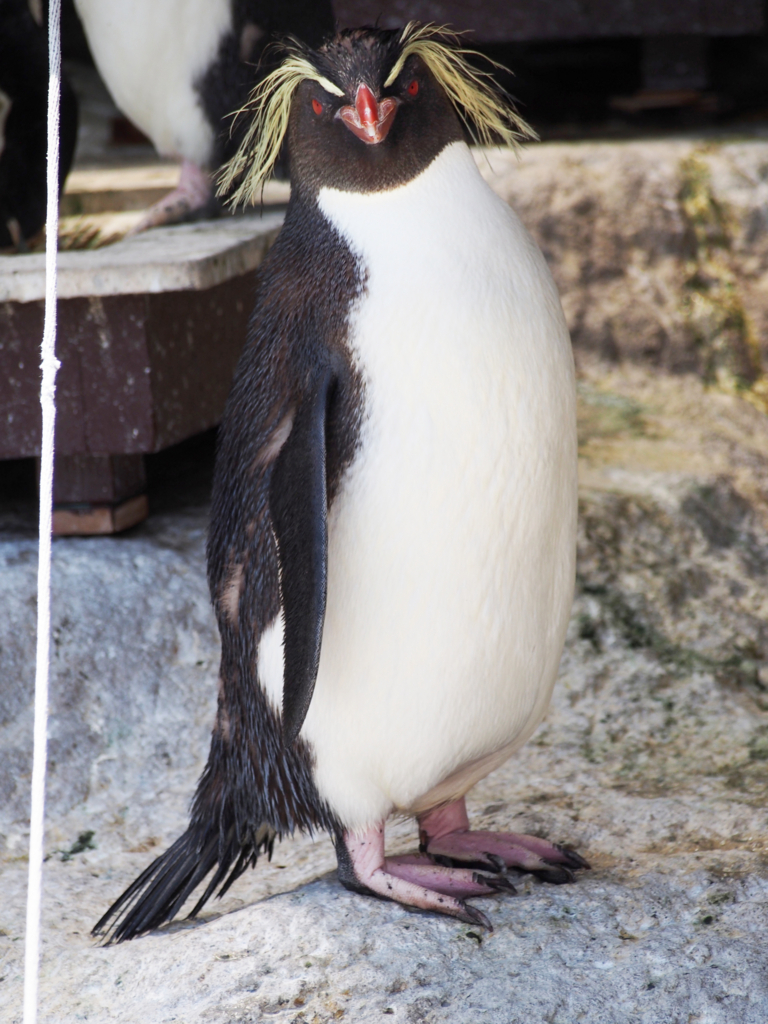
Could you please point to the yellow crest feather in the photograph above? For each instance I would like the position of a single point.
(483, 106)
(270, 103)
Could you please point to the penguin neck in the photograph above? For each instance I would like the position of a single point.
(414, 212)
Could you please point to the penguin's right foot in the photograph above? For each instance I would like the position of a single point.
(413, 880)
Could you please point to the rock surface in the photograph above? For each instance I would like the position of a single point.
(653, 760)
(659, 247)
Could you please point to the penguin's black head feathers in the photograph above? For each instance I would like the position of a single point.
(368, 111)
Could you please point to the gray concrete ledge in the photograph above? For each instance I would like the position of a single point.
(180, 258)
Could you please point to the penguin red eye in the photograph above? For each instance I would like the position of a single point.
(413, 88)
(317, 106)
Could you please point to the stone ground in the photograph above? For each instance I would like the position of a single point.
(652, 761)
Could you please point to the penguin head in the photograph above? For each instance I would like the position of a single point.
(368, 111)
(383, 123)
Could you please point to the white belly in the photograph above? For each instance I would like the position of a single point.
(451, 542)
(150, 53)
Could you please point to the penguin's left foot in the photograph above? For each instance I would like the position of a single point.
(446, 836)
(414, 880)
(192, 199)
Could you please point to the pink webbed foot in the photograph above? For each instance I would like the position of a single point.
(446, 836)
(192, 199)
(414, 880)
(462, 883)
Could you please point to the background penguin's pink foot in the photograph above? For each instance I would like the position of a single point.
(192, 199)
(446, 836)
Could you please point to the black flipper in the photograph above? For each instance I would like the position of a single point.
(257, 787)
(299, 506)
(218, 837)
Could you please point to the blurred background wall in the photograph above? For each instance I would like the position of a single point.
(576, 60)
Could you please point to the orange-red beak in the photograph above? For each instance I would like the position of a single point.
(368, 120)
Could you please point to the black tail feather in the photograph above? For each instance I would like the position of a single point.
(247, 859)
(161, 890)
(219, 874)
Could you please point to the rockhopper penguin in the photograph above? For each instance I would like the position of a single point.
(392, 544)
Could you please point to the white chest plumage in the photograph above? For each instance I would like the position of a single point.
(452, 539)
(151, 54)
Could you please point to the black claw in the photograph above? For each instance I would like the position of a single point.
(556, 874)
(445, 862)
(496, 882)
(575, 860)
(475, 916)
(496, 863)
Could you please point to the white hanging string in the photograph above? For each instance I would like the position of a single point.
(49, 366)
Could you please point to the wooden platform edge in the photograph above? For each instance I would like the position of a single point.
(98, 520)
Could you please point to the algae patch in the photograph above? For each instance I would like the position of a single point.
(712, 306)
(605, 414)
